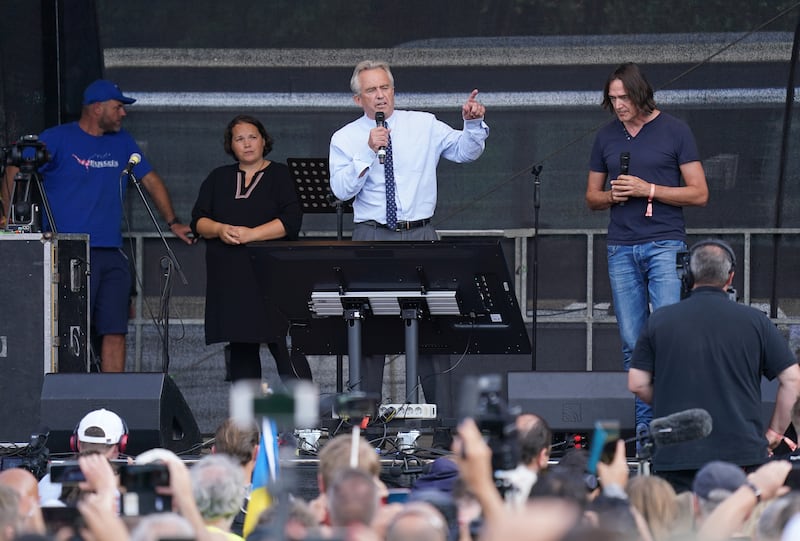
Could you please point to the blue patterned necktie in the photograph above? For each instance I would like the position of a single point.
(388, 171)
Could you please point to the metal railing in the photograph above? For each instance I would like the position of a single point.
(590, 315)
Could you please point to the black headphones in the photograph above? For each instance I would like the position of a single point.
(684, 262)
(122, 443)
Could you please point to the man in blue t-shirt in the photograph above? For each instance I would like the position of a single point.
(85, 186)
(644, 153)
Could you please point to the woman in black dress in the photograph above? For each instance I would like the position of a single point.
(250, 200)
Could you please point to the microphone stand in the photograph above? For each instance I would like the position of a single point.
(537, 169)
(168, 263)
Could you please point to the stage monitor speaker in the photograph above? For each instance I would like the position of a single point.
(150, 404)
(573, 401)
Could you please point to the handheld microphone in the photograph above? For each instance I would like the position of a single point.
(688, 425)
(132, 162)
(624, 162)
(624, 166)
(380, 118)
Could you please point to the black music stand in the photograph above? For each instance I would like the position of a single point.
(312, 183)
(394, 297)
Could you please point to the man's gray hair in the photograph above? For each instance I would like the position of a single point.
(217, 486)
(417, 521)
(162, 526)
(352, 498)
(355, 84)
(710, 265)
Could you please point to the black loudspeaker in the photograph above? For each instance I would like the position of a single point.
(573, 401)
(150, 404)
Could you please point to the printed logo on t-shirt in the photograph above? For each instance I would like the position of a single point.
(97, 162)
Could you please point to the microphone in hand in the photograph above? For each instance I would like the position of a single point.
(624, 166)
(380, 122)
(624, 162)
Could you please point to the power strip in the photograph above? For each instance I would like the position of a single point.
(408, 411)
(403, 411)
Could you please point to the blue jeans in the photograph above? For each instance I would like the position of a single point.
(643, 276)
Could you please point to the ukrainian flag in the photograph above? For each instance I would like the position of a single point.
(264, 473)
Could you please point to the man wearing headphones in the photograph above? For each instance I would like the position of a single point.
(710, 352)
(99, 431)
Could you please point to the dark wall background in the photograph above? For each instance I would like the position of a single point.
(52, 48)
(367, 23)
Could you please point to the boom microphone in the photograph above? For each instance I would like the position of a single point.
(688, 425)
(380, 118)
(132, 162)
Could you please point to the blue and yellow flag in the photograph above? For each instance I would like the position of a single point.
(264, 473)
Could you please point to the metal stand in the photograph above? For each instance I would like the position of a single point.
(353, 316)
(537, 169)
(411, 314)
(23, 212)
(313, 187)
(168, 263)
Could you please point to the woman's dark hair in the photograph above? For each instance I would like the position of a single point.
(636, 86)
(246, 119)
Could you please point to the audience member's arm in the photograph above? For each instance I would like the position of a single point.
(102, 523)
(180, 488)
(613, 477)
(100, 479)
(474, 459)
(764, 484)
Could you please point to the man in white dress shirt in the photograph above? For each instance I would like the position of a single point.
(412, 142)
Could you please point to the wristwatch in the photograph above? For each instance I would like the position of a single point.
(173, 221)
(756, 491)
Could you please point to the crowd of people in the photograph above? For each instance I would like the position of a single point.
(457, 497)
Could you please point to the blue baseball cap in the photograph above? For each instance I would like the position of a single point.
(104, 90)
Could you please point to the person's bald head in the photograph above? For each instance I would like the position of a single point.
(25, 485)
(23, 481)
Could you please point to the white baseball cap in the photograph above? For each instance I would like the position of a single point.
(107, 421)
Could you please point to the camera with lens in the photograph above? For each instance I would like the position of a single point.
(682, 259)
(481, 400)
(139, 484)
(28, 153)
(27, 196)
(32, 457)
(356, 405)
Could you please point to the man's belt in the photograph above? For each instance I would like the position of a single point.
(401, 226)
